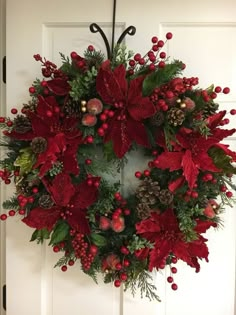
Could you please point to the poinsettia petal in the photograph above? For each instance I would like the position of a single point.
(120, 75)
(214, 120)
(27, 136)
(117, 133)
(40, 218)
(203, 226)
(148, 228)
(221, 134)
(206, 163)
(39, 126)
(70, 163)
(108, 87)
(85, 194)
(190, 170)
(141, 108)
(159, 253)
(137, 132)
(78, 221)
(181, 250)
(58, 86)
(176, 184)
(171, 160)
(61, 189)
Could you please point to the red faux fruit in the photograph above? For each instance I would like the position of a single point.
(174, 286)
(170, 279)
(124, 250)
(161, 64)
(117, 283)
(73, 55)
(209, 211)
(126, 263)
(174, 270)
(169, 35)
(14, 111)
(138, 174)
(32, 90)
(93, 249)
(89, 120)
(218, 89)
(12, 213)
(104, 223)
(123, 277)
(229, 194)
(90, 48)
(226, 90)
(64, 268)
(94, 106)
(118, 224)
(71, 262)
(3, 217)
(154, 39)
(56, 249)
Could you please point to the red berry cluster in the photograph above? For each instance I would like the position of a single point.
(166, 95)
(83, 250)
(49, 69)
(78, 61)
(170, 278)
(5, 175)
(153, 58)
(122, 274)
(106, 114)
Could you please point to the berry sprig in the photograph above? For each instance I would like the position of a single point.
(153, 58)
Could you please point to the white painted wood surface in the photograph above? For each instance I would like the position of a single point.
(205, 39)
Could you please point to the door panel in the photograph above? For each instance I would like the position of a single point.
(204, 38)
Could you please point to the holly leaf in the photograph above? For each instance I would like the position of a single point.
(221, 160)
(60, 232)
(40, 235)
(98, 239)
(25, 160)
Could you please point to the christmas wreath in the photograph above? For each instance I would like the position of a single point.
(76, 133)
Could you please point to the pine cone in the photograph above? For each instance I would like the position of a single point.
(38, 145)
(30, 106)
(165, 196)
(21, 124)
(157, 119)
(143, 211)
(209, 109)
(175, 116)
(45, 201)
(148, 191)
(72, 109)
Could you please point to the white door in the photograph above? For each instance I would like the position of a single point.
(205, 39)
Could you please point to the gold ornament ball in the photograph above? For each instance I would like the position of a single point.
(182, 105)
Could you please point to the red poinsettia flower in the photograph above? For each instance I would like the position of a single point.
(163, 231)
(190, 152)
(62, 136)
(70, 203)
(130, 108)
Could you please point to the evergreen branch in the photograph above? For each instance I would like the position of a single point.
(143, 282)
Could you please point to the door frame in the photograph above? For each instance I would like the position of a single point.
(2, 113)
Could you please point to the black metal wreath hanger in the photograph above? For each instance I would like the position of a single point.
(95, 28)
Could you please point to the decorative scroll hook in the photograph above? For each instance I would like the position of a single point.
(94, 28)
